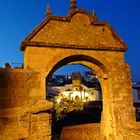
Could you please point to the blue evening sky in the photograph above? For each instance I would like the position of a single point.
(19, 17)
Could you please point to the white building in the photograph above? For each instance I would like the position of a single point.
(77, 91)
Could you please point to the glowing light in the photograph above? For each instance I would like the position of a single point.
(86, 94)
(58, 100)
(84, 100)
(66, 94)
(75, 93)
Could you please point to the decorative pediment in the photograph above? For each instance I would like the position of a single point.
(79, 30)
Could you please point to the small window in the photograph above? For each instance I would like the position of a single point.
(138, 93)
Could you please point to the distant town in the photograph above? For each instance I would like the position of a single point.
(80, 87)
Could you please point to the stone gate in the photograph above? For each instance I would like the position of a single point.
(77, 38)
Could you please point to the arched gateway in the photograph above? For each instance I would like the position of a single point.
(80, 38)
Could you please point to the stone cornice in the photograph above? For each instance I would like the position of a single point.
(24, 44)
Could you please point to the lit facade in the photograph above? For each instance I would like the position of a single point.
(77, 91)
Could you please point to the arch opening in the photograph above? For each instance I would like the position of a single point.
(79, 59)
(76, 92)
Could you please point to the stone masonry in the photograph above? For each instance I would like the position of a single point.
(77, 38)
(21, 106)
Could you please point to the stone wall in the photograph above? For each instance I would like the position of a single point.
(16, 86)
(82, 132)
(21, 106)
(113, 74)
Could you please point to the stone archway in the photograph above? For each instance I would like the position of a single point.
(81, 38)
(58, 61)
(102, 73)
